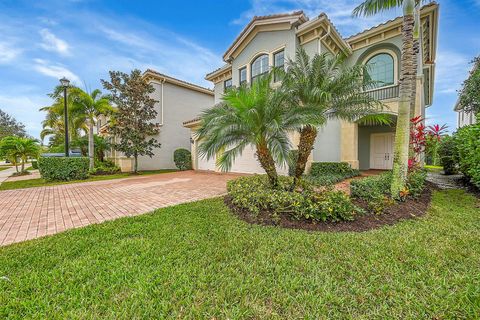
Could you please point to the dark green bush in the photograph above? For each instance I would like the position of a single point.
(328, 173)
(63, 168)
(34, 164)
(182, 159)
(332, 168)
(448, 155)
(467, 141)
(104, 168)
(255, 194)
(416, 182)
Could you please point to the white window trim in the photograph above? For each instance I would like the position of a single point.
(248, 65)
(395, 64)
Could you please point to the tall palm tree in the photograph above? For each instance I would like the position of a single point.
(90, 106)
(325, 84)
(256, 116)
(407, 81)
(53, 125)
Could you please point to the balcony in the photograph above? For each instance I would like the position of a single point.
(384, 93)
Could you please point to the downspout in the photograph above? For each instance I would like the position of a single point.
(161, 101)
(321, 38)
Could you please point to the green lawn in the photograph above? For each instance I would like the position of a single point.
(4, 168)
(196, 261)
(9, 185)
(434, 168)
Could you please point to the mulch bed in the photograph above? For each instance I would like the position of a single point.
(410, 209)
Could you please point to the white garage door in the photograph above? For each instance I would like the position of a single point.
(247, 162)
(204, 164)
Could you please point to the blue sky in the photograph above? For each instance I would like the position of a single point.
(42, 41)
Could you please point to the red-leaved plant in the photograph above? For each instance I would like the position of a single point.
(417, 141)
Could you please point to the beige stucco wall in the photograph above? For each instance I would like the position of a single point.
(179, 104)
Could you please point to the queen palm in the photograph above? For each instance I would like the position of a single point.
(90, 106)
(407, 81)
(334, 90)
(251, 116)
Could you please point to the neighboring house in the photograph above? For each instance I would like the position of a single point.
(177, 100)
(464, 118)
(268, 40)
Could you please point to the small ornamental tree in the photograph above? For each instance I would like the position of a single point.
(134, 123)
(470, 92)
(9, 126)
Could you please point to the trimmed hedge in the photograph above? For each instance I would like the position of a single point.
(182, 159)
(254, 194)
(34, 164)
(329, 168)
(63, 168)
(467, 141)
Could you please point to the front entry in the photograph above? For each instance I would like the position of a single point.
(381, 150)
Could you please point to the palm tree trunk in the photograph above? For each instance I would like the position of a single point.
(305, 146)
(407, 76)
(23, 164)
(91, 146)
(268, 164)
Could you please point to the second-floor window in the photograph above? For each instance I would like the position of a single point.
(242, 74)
(279, 62)
(259, 66)
(380, 70)
(227, 84)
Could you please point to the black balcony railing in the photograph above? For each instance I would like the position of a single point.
(384, 93)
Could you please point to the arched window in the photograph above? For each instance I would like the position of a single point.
(380, 70)
(259, 66)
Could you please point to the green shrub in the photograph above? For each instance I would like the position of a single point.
(255, 194)
(104, 168)
(34, 164)
(467, 141)
(371, 188)
(63, 168)
(332, 168)
(448, 155)
(182, 159)
(329, 173)
(416, 182)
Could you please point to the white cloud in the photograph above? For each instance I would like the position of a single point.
(8, 53)
(452, 68)
(24, 107)
(159, 49)
(340, 12)
(55, 71)
(52, 43)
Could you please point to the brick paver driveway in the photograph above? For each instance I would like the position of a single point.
(35, 212)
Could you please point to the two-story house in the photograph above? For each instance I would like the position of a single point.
(267, 41)
(177, 100)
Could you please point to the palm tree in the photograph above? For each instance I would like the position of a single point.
(15, 148)
(90, 106)
(53, 125)
(407, 81)
(256, 116)
(325, 84)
